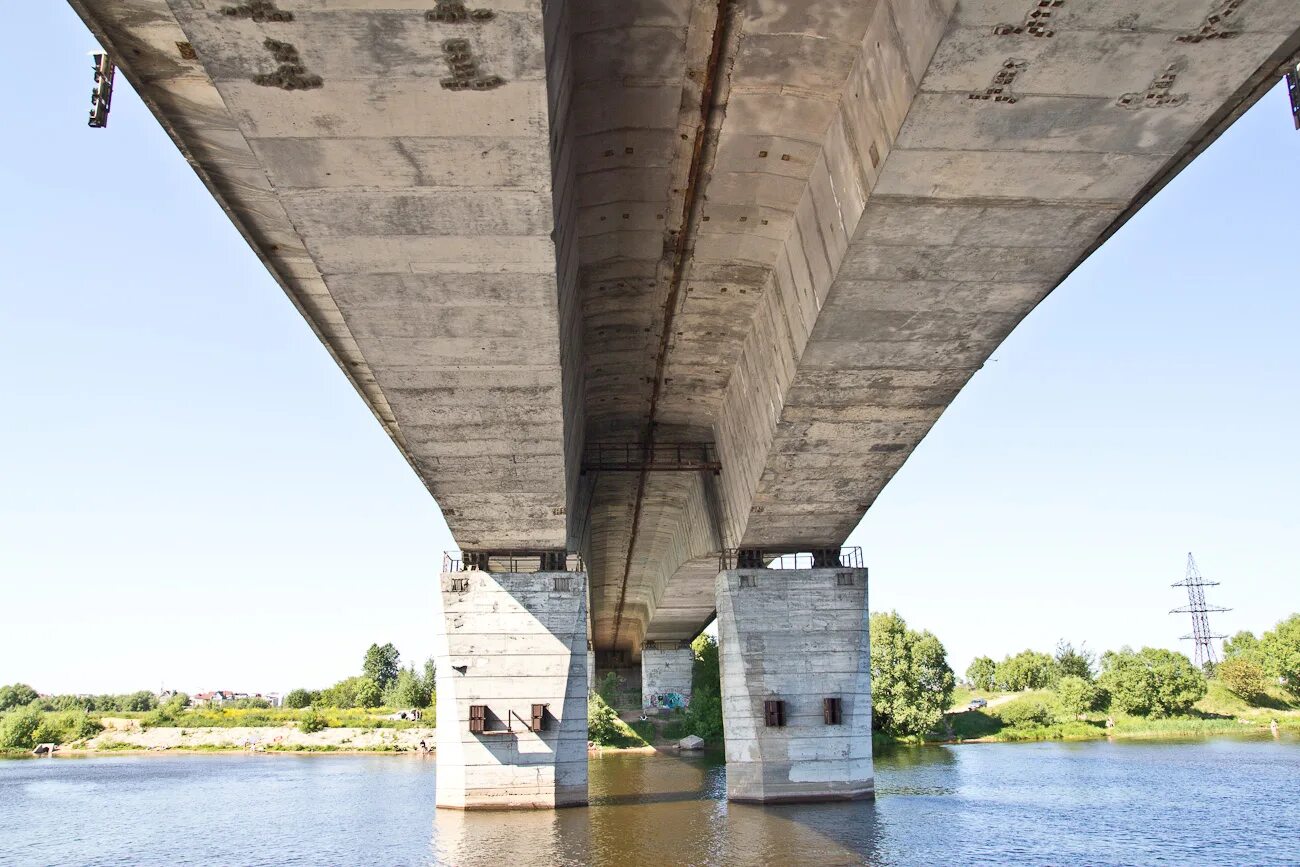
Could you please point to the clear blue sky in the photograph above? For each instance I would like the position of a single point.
(192, 494)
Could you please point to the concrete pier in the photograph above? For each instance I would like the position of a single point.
(791, 640)
(511, 659)
(666, 668)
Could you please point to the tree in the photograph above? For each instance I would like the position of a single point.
(911, 683)
(1028, 669)
(980, 673)
(139, 701)
(407, 691)
(382, 664)
(16, 695)
(1076, 694)
(1151, 682)
(297, 698)
(369, 694)
(1242, 644)
(1279, 652)
(431, 679)
(1242, 675)
(343, 693)
(1074, 662)
(704, 715)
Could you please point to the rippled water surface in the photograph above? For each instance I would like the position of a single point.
(1228, 802)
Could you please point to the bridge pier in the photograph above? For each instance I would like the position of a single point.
(666, 669)
(511, 657)
(796, 684)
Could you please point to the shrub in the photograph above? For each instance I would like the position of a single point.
(78, 725)
(608, 688)
(603, 725)
(311, 721)
(1242, 675)
(1025, 712)
(19, 727)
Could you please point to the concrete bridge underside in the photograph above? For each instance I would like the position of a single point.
(792, 229)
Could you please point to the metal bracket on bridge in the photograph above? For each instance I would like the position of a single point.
(513, 561)
(682, 457)
(1293, 90)
(847, 557)
(101, 98)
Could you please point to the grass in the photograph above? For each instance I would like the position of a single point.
(1219, 712)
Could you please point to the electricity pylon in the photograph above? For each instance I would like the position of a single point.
(1197, 607)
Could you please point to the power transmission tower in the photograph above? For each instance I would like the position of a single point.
(1197, 607)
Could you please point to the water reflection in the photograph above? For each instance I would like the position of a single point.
(662, 810)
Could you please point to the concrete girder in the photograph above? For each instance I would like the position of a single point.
(796, 236)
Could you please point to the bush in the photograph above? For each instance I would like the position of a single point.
(297, 699)
(1242, 675)
(312, 721)
(608, 688)
(1025, 712)
(1076, 695)
(19, 727)
(603, 725)
(78, 726)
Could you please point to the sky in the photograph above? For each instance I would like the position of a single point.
(193, 496)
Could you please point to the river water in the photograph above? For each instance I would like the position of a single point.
(1224, 801)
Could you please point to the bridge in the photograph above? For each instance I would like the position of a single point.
(652, 293)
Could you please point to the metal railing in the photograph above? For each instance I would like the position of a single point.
(512, 561)
(616, 457)
(845, 557)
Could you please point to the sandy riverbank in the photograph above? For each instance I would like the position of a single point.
(127, 735)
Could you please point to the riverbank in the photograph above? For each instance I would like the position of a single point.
(1220, 712)
(122, 735)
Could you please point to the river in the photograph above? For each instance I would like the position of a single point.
(1222, 801)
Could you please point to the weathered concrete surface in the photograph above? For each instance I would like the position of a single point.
(797, 636)
(521, 640)
(666, 669)
(795, 228)
(413, 225)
